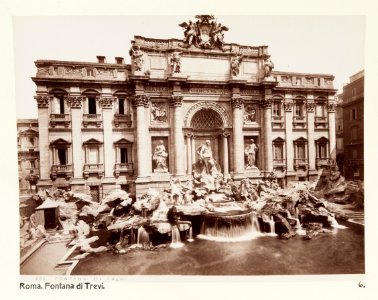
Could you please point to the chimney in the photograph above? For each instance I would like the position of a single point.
(119, 60)
(101, 59)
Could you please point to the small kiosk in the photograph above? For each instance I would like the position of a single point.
(48, 212)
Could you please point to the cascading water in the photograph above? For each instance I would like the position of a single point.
(230, 227)
(190, 239)
(272, 226)
(176, 239)
(143, 237)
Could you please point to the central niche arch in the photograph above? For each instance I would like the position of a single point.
(206, 119)
(206, 115)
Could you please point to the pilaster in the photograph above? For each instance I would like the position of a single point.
(43, 102)
(141, 102)
(288, 107)
(267, 134)
(332, 129)
(310, 107)
(106, 102)
(237, 133)
(178, 135)
(75, 102)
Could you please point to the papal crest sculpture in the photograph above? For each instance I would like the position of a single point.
(205, 33)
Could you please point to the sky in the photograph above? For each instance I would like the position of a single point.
(333, 44)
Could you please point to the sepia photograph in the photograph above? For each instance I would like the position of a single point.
(190, 144)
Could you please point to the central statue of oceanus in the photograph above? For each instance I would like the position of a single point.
(206, 170)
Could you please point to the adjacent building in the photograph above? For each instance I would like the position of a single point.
(339, 133)
(353, 127)
(28, 155)
(107, 125)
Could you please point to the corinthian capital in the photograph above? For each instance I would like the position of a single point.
(106, 102)
(176, 100)
(310, 106)
(141, 100)
(331, 107)
(288, 106)
(42, 101)
(237, 102)
(74, 101)
(267, 103)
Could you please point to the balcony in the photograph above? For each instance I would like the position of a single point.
(321, 162)
(299, 121)
(61, 170)
(321, 122)
(123, 168)
(93, 169)
(92, 120)
(279, 164)
(122, 119)
(300, 163)
(278, 122)
(59, 120)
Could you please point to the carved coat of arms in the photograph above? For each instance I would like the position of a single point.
(205, 33)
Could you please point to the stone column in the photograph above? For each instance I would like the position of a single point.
(268, 147)
(141, 102)
(332, 130)
(43, 128)
(178, 136)
(237, 134)
(107, 117)
(310, 105)
(189, 153)
(75, 102)
(225, 153)
(193, 150)
(288, 107)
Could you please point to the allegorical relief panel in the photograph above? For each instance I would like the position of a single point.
(159, 113)
(250, 113)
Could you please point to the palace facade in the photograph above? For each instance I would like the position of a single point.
(101, 123)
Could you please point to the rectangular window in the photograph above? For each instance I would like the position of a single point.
(301, 151)
(62, 156)
(298, 110)
(322, 151)
(278, 151)
(92, 105)
(32, 164)
(121, 106)
(61, 105)
(320, 112)
(276, 109)
(354, 92)
(124, 156)
(31, 141)
(93, 155)
(90, 72)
